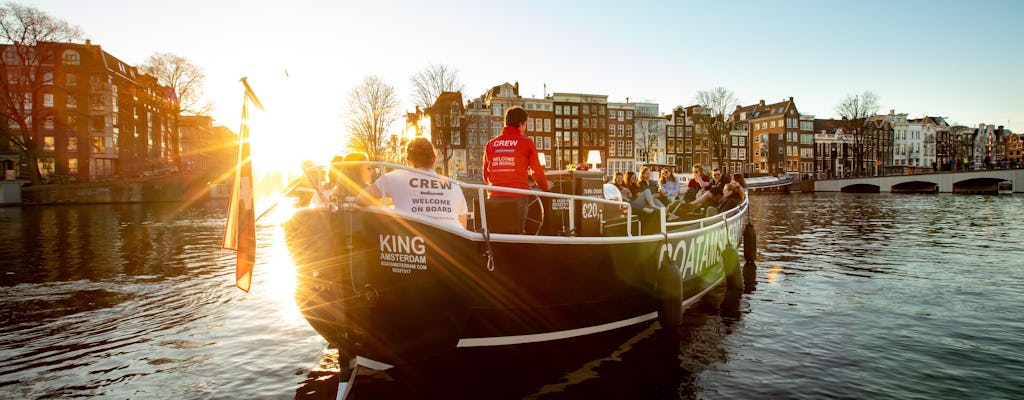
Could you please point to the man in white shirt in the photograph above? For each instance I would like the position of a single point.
(422, 193)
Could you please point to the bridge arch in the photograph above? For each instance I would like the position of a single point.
(915, 187)
(860, 188)
(977, 185)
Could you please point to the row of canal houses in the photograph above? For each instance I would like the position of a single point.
(93, 117)
(765, 138)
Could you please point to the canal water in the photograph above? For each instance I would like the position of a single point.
(853, 296)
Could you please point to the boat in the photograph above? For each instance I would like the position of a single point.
(389, 287)
(1005, 187)
(769, 184)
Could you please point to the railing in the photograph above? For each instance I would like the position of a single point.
(481, 191)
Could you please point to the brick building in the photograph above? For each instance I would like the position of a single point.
(97, 117)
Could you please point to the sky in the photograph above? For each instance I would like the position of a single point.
(957, 59)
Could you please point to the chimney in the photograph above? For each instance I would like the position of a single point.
(88, 42)
(515, 89)
(627, 100)
(790, 99)
(760, 102)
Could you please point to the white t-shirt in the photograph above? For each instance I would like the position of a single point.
(423, 194)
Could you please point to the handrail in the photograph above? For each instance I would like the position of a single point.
(663, 223)
(481, 188)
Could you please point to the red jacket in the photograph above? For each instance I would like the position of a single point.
(506, 160)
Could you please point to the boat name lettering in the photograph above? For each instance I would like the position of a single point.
(402, 244)
(705, 252)
(697, 255)
(429, 183)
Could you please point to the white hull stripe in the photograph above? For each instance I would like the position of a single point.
(374, 364)
(543, 337)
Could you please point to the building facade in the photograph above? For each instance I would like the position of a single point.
(581, 124)
(94, 116)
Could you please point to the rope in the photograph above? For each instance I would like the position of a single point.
(490, 254)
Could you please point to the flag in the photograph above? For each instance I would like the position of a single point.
(240, 233)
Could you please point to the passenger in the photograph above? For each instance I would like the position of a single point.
(640, 197)
(717, 179)
(733, 196)
(422, 193)
(647, 183)
(344, 181)
(506, 160)
(669, 185)
(738, 178)
(697, 182)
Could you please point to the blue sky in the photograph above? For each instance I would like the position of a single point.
(949, 58)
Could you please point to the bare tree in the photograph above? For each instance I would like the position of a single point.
(854, 109)
(427, 87)
(373, 108)
(27, 60)
(186, 80)
(648, 128)
(715, 114)
(433, 80)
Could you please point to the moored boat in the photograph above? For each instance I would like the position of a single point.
(390, 287)
(1005, 187)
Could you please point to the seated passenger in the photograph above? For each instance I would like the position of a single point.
(344, 181)
(417, 192)
(640, 198)
(698, 181)
(733, 196)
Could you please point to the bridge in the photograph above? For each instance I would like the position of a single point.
(942, 182)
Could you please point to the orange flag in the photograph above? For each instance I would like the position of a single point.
(240, 233)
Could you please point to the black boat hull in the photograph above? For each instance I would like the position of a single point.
(394, 288)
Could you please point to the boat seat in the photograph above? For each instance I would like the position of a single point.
(501, 216)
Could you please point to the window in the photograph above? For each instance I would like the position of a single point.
(72, 144)
(558, 110)
(575, 124)
(48, 143)
(611, 148)
(48, 100)
(69, 57)
(622, 115)
(46, 166)
(621, 130)
(547, 143)
(96, 101)
(629, 115)
(558, 123)
(529, 124)
(73, 166)
(629, 131)
(575, 110)
(97, 145)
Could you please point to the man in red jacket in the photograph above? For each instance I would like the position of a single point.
(506, 160)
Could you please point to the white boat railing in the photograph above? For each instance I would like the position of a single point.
(482, 190)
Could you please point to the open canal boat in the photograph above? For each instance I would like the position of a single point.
(389, 287)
